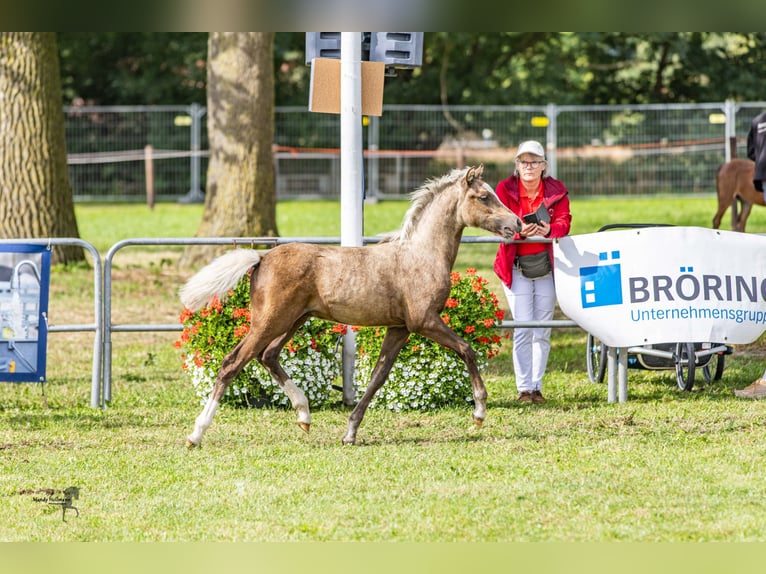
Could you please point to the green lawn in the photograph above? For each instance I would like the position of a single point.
(665, 466)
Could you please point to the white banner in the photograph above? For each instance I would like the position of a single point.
(651, 285)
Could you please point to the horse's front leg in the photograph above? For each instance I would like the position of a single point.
(270, 361)
(393, 342)
(231, 366)
(445, 336)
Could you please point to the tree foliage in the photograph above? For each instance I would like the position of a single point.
(459, 68)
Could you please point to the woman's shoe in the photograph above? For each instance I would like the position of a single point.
(525, 397)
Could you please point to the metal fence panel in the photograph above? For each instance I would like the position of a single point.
(595, 150)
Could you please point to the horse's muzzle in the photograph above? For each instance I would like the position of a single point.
(510, 229)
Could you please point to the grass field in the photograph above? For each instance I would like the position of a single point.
(665, 466)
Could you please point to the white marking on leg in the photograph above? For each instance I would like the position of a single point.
(298, 400)
(203, 421)
(480, 411)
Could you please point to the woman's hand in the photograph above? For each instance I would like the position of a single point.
(535, 230)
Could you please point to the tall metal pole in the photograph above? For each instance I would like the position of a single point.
(351, 180)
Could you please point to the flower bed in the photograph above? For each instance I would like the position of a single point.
(425, 375)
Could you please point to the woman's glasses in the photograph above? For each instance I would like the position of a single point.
(534, 164)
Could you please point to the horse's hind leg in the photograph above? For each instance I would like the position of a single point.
(723, 205)
(231, 366)
(270, 361)
(393, 342)
(744, 214)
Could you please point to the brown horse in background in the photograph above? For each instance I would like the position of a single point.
(734, 183)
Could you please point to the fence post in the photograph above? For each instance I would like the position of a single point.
(195, 195)
(551, 110)
(373, 145)
(149, 171)
(730, 112)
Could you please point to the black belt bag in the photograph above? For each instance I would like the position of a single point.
(534, 266)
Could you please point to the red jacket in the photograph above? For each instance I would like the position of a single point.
(555, 198)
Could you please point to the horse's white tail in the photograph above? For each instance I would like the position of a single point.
(217, 278)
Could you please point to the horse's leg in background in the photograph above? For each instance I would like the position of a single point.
(270, 361)
(735, 203)
(725, 196)
(744, 214)
(393, 342)
(443, 335)
(245, 351)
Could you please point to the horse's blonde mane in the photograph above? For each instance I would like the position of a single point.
(421, 198)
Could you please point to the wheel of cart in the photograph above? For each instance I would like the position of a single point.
(713, 370)
(595, 359)
(686, 364)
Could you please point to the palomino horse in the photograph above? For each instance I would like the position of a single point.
(734, 183)
(400, 283)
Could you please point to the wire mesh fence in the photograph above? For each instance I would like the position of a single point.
(595, 150)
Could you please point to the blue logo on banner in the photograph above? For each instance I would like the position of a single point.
(601, 285)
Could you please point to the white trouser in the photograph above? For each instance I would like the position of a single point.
(531, 300)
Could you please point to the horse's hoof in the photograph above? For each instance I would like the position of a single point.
(191, 445)
(478, 422)
(305, 427)
(348, 441)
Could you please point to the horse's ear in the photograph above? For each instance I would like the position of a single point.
(473, 173)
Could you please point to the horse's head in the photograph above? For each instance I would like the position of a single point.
(480, 206)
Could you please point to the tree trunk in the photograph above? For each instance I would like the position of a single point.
(240, 199)
(35, 191)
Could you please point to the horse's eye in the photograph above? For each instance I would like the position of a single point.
(484, 198)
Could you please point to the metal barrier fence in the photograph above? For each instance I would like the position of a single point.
(595, 150)
(98, 304)
(109, 327)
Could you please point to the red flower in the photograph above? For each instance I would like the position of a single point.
(241, 312)
(451, 303)
(500, 314)
(470, 329)
(342, 329)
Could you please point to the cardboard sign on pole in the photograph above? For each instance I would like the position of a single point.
(324, 91)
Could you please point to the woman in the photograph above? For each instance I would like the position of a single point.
(525, 268)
